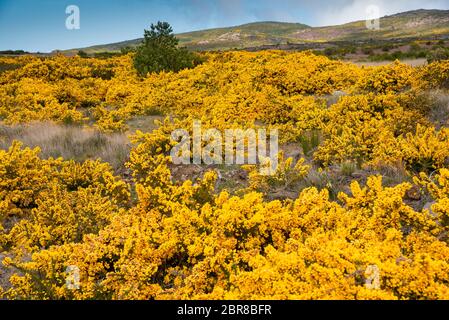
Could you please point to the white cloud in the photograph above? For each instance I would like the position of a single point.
(199, 14)
(348, 11)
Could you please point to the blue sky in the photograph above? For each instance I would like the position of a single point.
(39, 25)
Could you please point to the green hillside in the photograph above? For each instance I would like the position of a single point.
(412, 24)
(418, 23)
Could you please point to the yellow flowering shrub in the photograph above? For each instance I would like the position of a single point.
(46, 202)
(245, 248)
(427, 149)
(263, 178)
(62, 216)
(366, 129)
(238, 87)
(394, 77)
(159, 238)
(436, 75)
(439, 190)
(24, 176)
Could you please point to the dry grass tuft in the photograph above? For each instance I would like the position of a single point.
(69, 142)
(439, 113)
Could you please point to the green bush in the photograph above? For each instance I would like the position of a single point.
(367, 51)
(82, 54)
(159, 51)
(438, 55)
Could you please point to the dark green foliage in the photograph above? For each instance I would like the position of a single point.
(106, 55)
(310, 141)
(127, 49)
(14, 52)
(367, 50)
(438, 55)
(415, 51)
(387, 47)
(6, 67)
(82, 54)
(159, 51)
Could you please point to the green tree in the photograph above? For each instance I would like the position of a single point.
(159, 51)
(127, 49)
(82, 54)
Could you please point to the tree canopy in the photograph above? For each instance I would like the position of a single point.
(159, 51)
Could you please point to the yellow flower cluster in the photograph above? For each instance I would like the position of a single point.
(382, 130)
(179, 240)
(184, 241)
(231, 87)
(395, 77)
(272, 181)
(436, 75)
(49, 202)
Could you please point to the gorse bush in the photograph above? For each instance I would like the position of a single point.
(275, 88)
(146, 235)
(47, 202)
(186, 242)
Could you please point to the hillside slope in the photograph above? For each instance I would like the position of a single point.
(411, 24)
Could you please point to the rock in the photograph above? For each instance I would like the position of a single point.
(295, 155)
(414, 193)
(335, 97)
(282, 195)
(339, 93)
(358, 175)
(243, 174)
(428, 206)
(293, 151)
(5, 274)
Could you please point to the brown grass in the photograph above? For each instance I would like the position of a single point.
(439, 113)
(410, 62)
(69, 142)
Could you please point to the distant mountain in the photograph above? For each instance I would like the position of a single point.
(411, 24)
(251, 34)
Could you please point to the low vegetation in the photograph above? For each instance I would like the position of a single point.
(362, 185)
